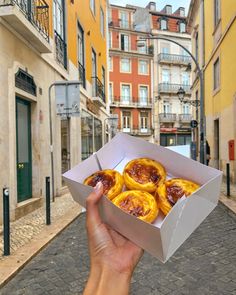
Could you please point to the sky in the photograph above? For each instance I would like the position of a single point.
(160, 3)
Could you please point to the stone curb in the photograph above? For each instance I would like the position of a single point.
(11, 265)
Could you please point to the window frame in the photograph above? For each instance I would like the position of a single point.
(92, 6)
(216, 75)
(147, 67)
(127, 102)
(142, 102)
(217, 12)
(166, 21)
(102, 22)
(122, 70)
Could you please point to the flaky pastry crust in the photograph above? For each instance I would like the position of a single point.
(112, 182)
(144, 174)
(169, 192)
(138, 203)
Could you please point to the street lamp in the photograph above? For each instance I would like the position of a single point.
(181, 94)
(67, 95)
(112, 125)
(201, 101)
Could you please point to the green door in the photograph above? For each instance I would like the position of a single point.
(23, 147)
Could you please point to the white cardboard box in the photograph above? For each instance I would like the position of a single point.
(165, 235)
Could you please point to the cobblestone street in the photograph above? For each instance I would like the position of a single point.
(204, 264)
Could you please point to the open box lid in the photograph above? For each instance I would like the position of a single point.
(182, 220)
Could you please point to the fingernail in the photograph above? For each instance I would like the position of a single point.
(98, 187)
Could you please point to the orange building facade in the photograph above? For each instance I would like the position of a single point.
(130, 72)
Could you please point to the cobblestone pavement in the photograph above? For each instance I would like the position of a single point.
(204, 264)
(27, 227)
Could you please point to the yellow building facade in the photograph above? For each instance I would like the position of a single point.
(41, 42)
(213, 25)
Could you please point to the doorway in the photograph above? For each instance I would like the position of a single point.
(217, 144)
(23, 149)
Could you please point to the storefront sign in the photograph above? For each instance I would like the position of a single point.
(92, 107)
(168, 129)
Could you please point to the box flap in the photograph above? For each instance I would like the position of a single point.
(83, 169)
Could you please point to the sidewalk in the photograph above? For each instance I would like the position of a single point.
(29, 234)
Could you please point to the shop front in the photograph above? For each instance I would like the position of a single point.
(175, 136)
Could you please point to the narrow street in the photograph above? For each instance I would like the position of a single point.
(204, 264)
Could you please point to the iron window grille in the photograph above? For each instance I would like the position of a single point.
(25, 82)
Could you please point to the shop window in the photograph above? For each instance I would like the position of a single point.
(91, 134)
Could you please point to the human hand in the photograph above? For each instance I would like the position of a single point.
(110, 253)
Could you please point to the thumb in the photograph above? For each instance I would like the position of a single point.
(93, 216)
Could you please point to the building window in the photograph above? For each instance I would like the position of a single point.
(163, 24)
(80, 53)
(110, 63)
(186, 109)
(216, 12)
(92, 6)
(110, 92)
(166, 108)
(124, 20)
(91, 134)
(143, 67)
(185, 78)
(104, 80)
(59, 31)
(196, 46)
(124, 42)
(110, 39)
(125, 65)
(58, 17)
(125, 94)
(165, 76)
(102, 30)
(143, 95)
(143, 122)
(182, 27)
(126, 121)
(217, 74)
(165, 49)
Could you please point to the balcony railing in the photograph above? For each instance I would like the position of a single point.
(136, 131)
(35, 11)
(174, 58)
(173, 88)
(121, 24)
(61, 50)
(167, 117)
(185, 117)
(129, 102)
(82, 74)
(128, 47)
(98, 89)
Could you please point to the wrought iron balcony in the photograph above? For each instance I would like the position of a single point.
(131, 102)
(130, 47)
(167, 117)
(173, 88)
(174, 58)
(144, 104)
(61, 50)
(82, 74)
(98, 91)
(138, 130)
(121, 24)
(185, 118)
(18, 13)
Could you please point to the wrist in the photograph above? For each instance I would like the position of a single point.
(103, 279)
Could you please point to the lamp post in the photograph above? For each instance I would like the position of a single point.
(68, 108)
(112, 123)
(201, 101)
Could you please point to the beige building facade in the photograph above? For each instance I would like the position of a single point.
(33, 55)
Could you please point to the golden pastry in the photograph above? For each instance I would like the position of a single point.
(112, 182)
(138, 203)
(168, 193)
(144, 174)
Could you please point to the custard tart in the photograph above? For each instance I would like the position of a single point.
(138, 203)
(144, 174)
(169, 192)
(112, 182)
